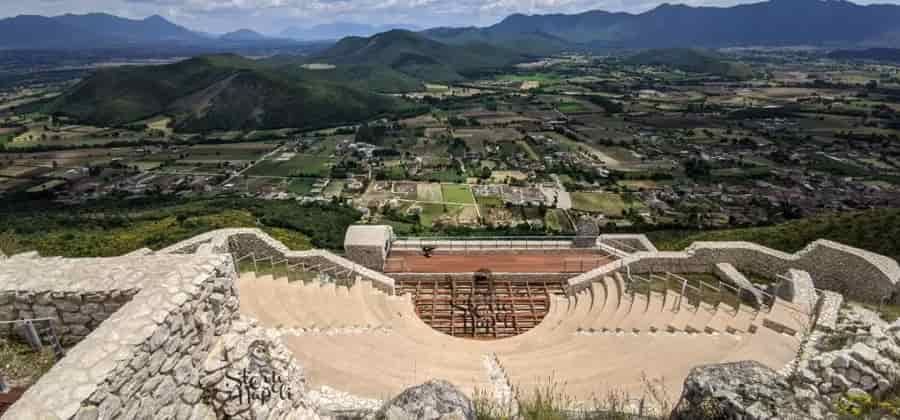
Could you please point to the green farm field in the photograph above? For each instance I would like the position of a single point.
(300, 165)
(457, 194)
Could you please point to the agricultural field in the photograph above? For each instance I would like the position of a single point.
(293, 166)
(429, 192)
(301, 186)
(457, 194)
(608, 204)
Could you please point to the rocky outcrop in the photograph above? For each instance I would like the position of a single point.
(744, 390)
(250, 374)
(858, 356)
(862, 356)
(433, 400)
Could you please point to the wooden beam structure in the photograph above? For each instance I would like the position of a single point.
(481, 310)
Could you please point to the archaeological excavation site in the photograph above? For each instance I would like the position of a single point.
(232, 324)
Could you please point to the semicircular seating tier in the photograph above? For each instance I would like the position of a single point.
(602, 339)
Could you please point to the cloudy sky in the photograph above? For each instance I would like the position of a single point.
(271, 16)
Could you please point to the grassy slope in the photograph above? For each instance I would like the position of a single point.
(873, 230)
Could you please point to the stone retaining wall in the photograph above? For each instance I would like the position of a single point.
(74, 314)
(627, 242)
(246, 241)
(856, 273)
(144, 360)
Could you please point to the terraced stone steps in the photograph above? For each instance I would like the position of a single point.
(619, 309)
(371, 344)
(317, 306)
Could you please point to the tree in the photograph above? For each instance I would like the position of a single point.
(697, 168)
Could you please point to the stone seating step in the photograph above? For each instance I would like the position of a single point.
(701, 318)
(719, 322)
(786, 318)
(683, 317)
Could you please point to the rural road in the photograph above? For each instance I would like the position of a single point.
(266, 156)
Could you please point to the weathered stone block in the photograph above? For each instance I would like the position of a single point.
(75, 318)
(42, 311)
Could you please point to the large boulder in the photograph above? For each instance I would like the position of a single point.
(744, 391)
(433, 400)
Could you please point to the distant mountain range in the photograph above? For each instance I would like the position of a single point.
(771, 23)
(90, 31)
(100, 30)
(338, 30)
(826, 23)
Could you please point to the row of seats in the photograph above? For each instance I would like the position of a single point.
(585, 365)
(283, 304)
(614, 309)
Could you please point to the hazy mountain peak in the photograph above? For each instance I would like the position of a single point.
(243, 35)
(155, 18)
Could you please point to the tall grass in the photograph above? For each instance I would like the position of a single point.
(551, 401)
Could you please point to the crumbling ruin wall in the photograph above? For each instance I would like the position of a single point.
(145, 360)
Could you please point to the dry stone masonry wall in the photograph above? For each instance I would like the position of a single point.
(240, 242)
(143, 361)
(855, 273)
(73, 315)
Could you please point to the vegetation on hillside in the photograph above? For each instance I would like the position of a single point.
(22, 366)
(375, 78)
(223, 92)
(417, 56)
(115, 227)
(874, 230)
(691, 60)
(534, 43)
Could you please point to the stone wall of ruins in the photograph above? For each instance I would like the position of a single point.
(240, 242)
(73, 314)
(856, 273)
(148, 357)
